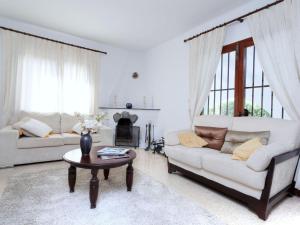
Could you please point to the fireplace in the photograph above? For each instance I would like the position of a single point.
(126, 133)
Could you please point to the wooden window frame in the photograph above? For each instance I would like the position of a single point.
(240, 65)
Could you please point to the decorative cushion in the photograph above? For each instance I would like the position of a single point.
(281, 130)
(22, 132)
(51, 119)
(235, 138)
(244, 151)
(77, 128)
(260, 160)
(171, 138)
(67, 122)
(190, 139)
(36, 127)
(214, 136)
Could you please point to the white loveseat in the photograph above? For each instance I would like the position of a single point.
(262, 180)
(15, 149)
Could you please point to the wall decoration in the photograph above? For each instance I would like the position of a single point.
(135, 75)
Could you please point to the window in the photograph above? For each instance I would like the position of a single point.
(221, 98)
(240, 84)
(60, 80)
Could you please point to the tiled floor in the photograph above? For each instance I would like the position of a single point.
(229, 211)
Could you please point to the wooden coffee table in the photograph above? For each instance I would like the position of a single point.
(94, 163)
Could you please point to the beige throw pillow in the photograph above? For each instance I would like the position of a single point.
(235, 138)
(245, 150)
(22, 132)
(77, 128)
(190, 139)
(36, 128)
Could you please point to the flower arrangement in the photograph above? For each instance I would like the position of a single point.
(89, 123)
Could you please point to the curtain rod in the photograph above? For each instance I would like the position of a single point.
(239, 19)
(48, 39)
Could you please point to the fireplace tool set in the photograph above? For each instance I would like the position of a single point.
(155, 145)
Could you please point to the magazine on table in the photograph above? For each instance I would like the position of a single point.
(111, 151)
(105, 157)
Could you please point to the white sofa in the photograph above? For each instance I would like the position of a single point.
(16, 150)
(262, 180)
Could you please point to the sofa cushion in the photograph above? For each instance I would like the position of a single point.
(214, 136)
(285, 131)
(74, 139)
(51, 119)
(224, 166)
(189, 156)
(235, 138)
(213, 121)
(38, 142)
(67, 122)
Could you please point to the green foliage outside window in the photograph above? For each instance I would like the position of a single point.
(248, 106)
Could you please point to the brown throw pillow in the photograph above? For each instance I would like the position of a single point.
(236, 138)
(214, 136)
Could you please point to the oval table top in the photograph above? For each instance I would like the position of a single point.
(92, 161)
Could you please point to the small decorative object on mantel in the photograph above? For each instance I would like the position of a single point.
(128, 105)
(135, 75)
(89, 124)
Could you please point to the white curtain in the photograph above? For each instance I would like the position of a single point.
(44, 76)
(276, 34)
(205, 54)
(273, 31)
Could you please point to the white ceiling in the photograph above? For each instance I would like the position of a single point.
(134, 24)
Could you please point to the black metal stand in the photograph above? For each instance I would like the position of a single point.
(148, 136)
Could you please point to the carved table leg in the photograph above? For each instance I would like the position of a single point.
(72, 177)
(106, 173)
(94, 186)
(129, 176)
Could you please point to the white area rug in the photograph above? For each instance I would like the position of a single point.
(44, 198)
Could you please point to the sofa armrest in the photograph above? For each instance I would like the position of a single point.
(107, 136)
(8, 145)
(281, 173)
(171, 138)
(260, 160)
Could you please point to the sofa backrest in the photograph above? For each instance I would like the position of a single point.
(51, 119)
(67, 122)
(214, 121)
(284, 131)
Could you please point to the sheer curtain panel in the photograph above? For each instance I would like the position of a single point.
(273, 31)
(44, 76)
(205, 53)
(276, 36)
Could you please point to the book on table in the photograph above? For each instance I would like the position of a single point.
(111, 151)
